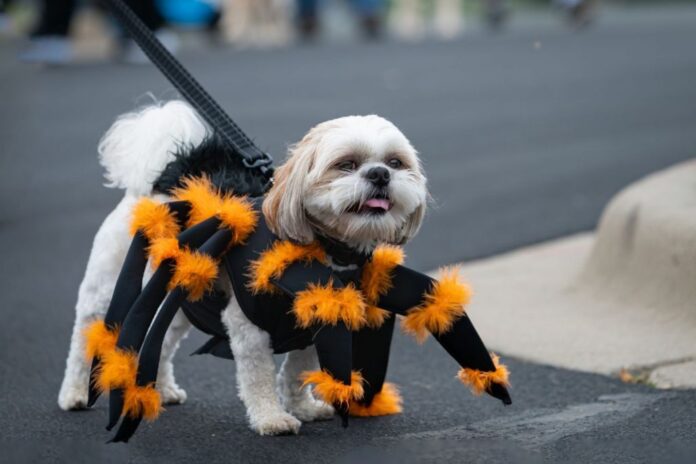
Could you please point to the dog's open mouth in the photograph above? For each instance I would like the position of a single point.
(378, 205)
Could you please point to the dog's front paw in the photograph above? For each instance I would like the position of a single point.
(73, 397)
(276, 423)
(172, 393)
(309, 409)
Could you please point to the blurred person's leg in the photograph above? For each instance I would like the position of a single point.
(50, 43)
(5, 24)
(55, 18)
(308, 17)
(579, 12)
(370, 13)
(4, 6)
(496, 13)
(407, 19)
(448, 19)
(149, 14)
(147, 11)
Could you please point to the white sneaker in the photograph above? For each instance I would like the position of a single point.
(49, 50)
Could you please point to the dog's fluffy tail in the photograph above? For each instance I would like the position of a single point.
(138, 146)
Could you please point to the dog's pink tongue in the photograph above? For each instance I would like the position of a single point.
(378, 203)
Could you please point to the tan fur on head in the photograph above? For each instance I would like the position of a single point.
(323, 186)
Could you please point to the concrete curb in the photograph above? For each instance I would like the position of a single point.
(621, 299)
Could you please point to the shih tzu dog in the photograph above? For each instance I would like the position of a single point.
(354, 180)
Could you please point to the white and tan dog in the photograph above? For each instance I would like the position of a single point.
(355, 179)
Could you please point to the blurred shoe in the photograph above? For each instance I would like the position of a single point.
(49, 50)
(308, 27)
(582, 14)
(372, 27)
(132, 54)
(5, 24)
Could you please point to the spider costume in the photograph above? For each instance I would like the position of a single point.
(286, 289)
(289, 290)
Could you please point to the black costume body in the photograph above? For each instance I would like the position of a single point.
(342, 349)
(272, 312)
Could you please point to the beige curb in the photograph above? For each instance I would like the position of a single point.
(623, 298)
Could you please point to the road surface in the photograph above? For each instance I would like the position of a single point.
(524, 135)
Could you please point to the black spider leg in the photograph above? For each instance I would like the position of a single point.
(462, 342)
(371, 348)
(128, 287)
(140, 316)
(334, 343)
(148, 361)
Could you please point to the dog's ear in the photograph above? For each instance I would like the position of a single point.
(410, 228)
(283, 207)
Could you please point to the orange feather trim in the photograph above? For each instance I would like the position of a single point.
(377, 280)
(443, 305)
(275, 260)
(154, 220)
(99, 339)
(375, 317)
(387, 402)
(334, 391)
(480, 381)
(163, 248)
(196, 272)
(376, 277)
(142, 402)
(117, 370)
(236, 213)
(202, 196)
(326, 305)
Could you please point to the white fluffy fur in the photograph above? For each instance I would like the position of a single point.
(140, 144)
(309, 196)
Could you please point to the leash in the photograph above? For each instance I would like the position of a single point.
(252, 156)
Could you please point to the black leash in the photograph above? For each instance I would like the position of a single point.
(188, 86)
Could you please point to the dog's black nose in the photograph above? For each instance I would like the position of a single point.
(378, 176)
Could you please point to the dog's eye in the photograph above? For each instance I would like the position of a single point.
(347, 165)
(395, 163)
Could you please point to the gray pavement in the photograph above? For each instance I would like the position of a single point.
(525, 137)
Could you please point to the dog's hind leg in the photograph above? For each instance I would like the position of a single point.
(296, 398)
(108, 252)
(166, 384)
(253, 356)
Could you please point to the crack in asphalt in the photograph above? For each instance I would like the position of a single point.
(535, 428)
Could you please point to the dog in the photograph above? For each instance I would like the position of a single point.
(356, 180)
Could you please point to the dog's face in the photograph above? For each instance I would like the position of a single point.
(356, 179)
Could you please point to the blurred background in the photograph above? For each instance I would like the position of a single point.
(64, 31)
(530, 116)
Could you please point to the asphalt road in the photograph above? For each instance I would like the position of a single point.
(525, 136)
